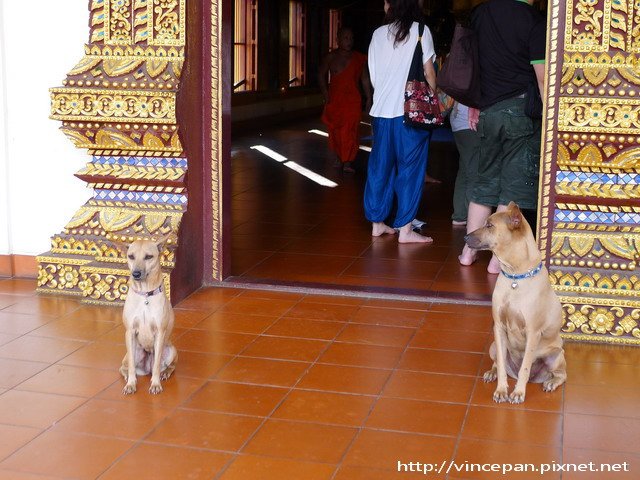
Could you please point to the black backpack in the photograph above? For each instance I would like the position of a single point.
(460, 75)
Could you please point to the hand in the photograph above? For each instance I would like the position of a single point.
(474, 117)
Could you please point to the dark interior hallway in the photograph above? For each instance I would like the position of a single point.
(288, 229)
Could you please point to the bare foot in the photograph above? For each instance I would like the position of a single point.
(468, 256)
(430, 179)
(380, 228)
(494, 265)
(412, 237)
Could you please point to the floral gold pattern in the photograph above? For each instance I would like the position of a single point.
(119, 103)
(589, 225)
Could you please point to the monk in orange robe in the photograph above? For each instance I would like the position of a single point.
(343, 100)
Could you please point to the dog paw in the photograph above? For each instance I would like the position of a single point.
(516, 397)
(500, 395)
(165, 376)
(490, 375)
(551, 385)
(155, 388)
(129, 389)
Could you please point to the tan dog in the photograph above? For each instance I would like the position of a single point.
(527, 315)
(148, 319)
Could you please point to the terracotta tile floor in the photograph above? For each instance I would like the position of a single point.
(275, 385)
(287, 229)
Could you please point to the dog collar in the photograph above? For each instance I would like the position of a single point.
(521, 276)
(148, 294)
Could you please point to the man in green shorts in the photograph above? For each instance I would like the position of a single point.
(511, 41)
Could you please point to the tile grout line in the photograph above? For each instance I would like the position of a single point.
(267, 417)
(284, 398)
(378, 396)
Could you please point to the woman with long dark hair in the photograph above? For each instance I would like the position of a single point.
(398, 159)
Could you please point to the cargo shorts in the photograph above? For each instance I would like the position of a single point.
(509, 164)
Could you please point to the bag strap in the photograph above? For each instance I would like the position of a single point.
(420, 31)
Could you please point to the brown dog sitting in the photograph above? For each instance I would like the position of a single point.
(148, 319)
(527, 315)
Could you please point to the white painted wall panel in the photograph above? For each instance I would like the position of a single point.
(42, 40)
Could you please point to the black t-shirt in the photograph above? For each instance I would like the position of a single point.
(511, 36)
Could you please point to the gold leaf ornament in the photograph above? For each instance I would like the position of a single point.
(153, 222)
(590, 155)
(151, 142)
(581, 245)
(156, 66)
(115, 220)
(77, 138)
(556, 244)
(80, 218)
(618, 246)
(110, 139)
(628, 159)
(118, 67)
(595, 76)
(87, 63)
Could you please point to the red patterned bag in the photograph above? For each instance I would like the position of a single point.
(421, 105)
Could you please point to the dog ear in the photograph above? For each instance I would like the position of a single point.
(121, 247)
(515, 216)
(160, 242)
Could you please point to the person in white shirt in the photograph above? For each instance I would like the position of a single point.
(398, 158)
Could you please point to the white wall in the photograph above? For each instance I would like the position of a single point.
(4, 197)
(40, 41)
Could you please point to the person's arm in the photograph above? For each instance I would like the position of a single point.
(323, 73)
(429, 53)
(474, 117)
(430, 74)
(367, 88)
(539, 68)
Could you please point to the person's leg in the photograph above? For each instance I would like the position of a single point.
(378, 191)
(472, 165)
(467, 144)
(476, 218)
(521, 170)
(411, 149)
(349, 140)
(486, 186)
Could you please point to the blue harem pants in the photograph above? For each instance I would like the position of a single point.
(397, 165)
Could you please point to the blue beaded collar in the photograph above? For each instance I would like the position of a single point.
(521, 276)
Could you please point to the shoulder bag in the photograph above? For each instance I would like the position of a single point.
(421, 105)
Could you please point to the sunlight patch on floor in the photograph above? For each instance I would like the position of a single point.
(296, 167)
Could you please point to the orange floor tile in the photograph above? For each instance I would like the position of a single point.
(286, 229)
(276, 385)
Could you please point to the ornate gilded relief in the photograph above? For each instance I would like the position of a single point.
(119, 102)
(590, 213)
(216, 133)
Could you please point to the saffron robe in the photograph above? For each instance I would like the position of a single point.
(343, 112)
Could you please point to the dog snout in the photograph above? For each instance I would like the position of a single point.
(136, 274)
(474, 241)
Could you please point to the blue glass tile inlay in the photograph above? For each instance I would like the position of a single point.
(142, 161)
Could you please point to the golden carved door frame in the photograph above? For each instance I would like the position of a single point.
(589, 228)
(119, 103)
